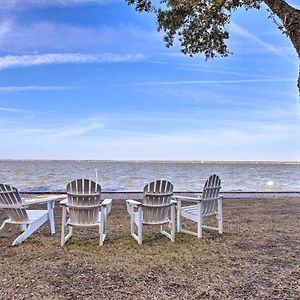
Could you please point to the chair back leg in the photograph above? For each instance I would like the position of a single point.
(171, 225)
(23, 227)
(64, 238)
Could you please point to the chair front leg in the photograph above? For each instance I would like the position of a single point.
(200, 220)
(132, 220)
(50, 206)
(220, 215)
(63, 225)
(173, 225)
(178, 215)
(140, 226)
(102, 225)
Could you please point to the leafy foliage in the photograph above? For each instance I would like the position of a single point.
(200, 25)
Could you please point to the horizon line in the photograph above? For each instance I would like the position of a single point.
(156, 160)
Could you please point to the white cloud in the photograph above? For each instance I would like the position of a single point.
(239, 30)
(53, 132)
(76, 130)
(95, 142)
(14, 110)
(24, 4)
(5, 28)
(119, 136)
(185, 82)
(43, 37)
(11, 61)
(8, 89)
(242, 32)
(208, 69)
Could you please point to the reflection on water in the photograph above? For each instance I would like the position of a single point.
(132, 176)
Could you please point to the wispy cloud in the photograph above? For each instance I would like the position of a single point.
(294, 4)
(14, 110)
(242, 32)
(188, 82)
(203, 143)
(208, 69)
(5, 28)
(11, 61)
(24, 4)
(8, 89)
(69, 129)
(148, 135)
(51, 37)
(77, 130)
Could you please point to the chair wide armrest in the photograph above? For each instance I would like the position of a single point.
(42, 200)
(188, 199)
(17, 206)
(133, 202)
(64, 202)
(106, 202)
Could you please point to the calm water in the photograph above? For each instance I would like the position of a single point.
(132, 176)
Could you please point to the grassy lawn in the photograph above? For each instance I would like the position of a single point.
(257, 257)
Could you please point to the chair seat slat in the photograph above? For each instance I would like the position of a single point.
(83, 194)
(83, 206)
(158, 194)
(156, 205)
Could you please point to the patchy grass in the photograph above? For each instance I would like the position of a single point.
(256, 258)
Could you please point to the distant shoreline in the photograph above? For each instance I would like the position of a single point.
(139, 195)
(161, 161)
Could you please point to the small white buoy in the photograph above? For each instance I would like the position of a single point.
(270, 184)
(96, 175)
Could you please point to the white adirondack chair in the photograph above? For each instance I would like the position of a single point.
(84, 208)
(210, 204)
(15, 208)
(154, 210)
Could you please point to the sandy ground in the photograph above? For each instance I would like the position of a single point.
(258, 257)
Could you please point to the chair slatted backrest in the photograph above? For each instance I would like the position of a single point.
(83, 202)
(156, 201)
(210, 195)
(12, 204)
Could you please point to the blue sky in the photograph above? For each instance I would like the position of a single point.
(92, 79)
